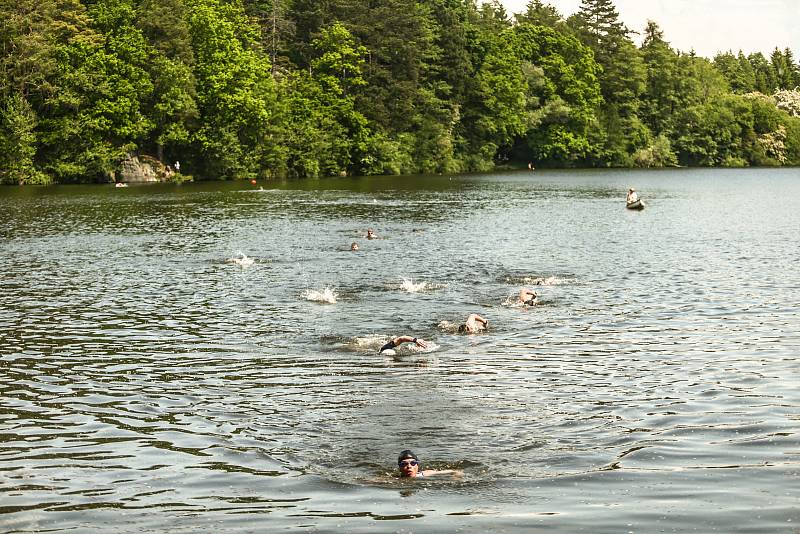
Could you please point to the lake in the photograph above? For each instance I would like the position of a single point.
(149, 383)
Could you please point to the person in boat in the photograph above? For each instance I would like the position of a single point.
(527, 296)
(410, 467)
(633, 196)
(371, 234)
(474, 324)
(399, 340)
(354, 246)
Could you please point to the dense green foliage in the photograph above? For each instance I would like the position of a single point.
(239, 89)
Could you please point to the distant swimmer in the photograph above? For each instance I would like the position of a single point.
(371, 234)
(527, 297)
(354, 246)
(399, 340)
(410, 467)
(474, 324)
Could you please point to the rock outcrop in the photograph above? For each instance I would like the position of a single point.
(141, 169)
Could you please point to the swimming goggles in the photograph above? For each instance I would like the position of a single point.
(404, 463)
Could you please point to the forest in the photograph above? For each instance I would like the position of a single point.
(261, 89)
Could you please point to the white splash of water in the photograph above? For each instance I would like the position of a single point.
(448, 326)
(370, 342)
(541, 281)
(409, 285)
(327, 295)
(242, 260)
(431, 347)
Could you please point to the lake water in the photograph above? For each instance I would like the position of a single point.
(148, 384)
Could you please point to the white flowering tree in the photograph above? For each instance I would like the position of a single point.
(789, 101)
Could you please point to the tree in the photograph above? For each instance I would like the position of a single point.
(235, 92)
(785, 69)
(18, 143)
(661, 98)
(163, 23)
(622, 82)
(277, 30)
(567, 96)
(339, 60)
(763, 74)
(737, 70)
(538, 13)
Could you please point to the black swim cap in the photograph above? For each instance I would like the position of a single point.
(405, 455)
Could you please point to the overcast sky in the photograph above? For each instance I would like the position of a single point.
(707, 26)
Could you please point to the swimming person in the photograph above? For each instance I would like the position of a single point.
(410, 467)
(371, 234)
(354, 246)
(474, 324)
(399, 340)
(527, 297)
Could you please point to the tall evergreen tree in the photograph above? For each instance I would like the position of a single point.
(737, 70)
(661, 98)
(783, 65)
(277, 30)
(622, 81)
(763, 73)
(538, 13)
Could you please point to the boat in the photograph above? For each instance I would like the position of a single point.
(635, 205)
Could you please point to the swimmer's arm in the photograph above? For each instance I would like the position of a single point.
(408, 339)
(458, 473)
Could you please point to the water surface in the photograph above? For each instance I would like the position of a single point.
(147, 383)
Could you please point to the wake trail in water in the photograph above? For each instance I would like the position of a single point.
(241, 260)
(327, 295)
(409, 286)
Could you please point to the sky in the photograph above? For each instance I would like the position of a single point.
(707, 26)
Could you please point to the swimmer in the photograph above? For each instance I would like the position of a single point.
(474, 324)
(371, 234)
(399, 340)
(354, 246)
(527, 297)
(409, 465)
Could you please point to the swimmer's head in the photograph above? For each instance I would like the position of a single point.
(408, 463)
(354, 246)
(462, 328)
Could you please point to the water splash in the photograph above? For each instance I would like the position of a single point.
(370, 342)
(409, 286)
(536, 280)
(241, 261)
(448, 326)
(512, 301)
(327, 295)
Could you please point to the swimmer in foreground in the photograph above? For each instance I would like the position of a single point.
(527, 297)
(399, 340)
(410, 467)
(354, 246)
(474, 324)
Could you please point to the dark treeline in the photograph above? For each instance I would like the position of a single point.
(272, 88)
